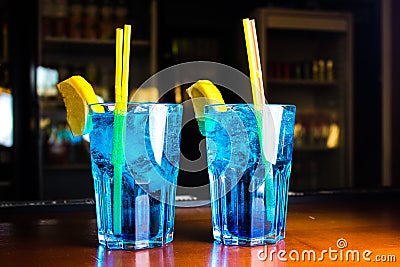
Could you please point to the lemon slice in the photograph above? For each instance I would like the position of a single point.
(77, 93)
(204, 92)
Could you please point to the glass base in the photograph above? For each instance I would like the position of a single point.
(116, 243)
(248, 242)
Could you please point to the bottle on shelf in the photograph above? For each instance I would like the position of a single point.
(297, 71)
(48, 18)
(299, 133)
(60, 18)
(333, 135)
(106, 29)
(315, 70)
(76, 19)
(91, 21)
(286, 71)
(321, 70)
(178, 94)
(329, 70)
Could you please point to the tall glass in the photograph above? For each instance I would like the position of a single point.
(143, 216)
(249, 194)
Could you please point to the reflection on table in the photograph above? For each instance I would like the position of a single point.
(66, 235)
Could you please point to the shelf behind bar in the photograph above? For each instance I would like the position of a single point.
(278, 18)
(313, 148)
(68, 45)
(81, 41)
(301, 82)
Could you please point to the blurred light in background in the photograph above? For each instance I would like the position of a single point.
(6, 118)
(46, 80)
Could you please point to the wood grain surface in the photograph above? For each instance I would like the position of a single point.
(344, 228)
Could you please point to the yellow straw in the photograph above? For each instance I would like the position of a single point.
(125, 70)
(257, 88)
(257, 85)
(253, 56)
(118, 64)
(121, 98)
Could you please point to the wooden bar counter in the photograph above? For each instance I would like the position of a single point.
(329, 230)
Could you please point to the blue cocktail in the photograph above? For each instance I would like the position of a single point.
(149, 174)
(249, 194)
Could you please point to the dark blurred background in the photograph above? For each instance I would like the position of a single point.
(167, 33)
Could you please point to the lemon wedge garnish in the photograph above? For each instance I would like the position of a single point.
(204, 92)
(77, 93)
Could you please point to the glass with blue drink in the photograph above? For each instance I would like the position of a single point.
(249, 193)
(141, 214)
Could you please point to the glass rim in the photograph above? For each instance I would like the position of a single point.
(247, 104)
(149, 103)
